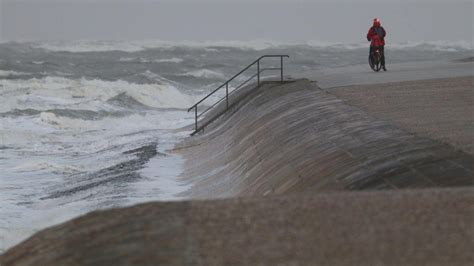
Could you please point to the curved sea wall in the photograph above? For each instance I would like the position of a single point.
(295, 137)
(410, 227)
(298, 140)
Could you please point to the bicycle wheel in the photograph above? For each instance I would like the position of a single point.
(371, 62)
(377, 62)
(374, 62)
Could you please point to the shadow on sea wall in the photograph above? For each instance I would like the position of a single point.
(295, 137)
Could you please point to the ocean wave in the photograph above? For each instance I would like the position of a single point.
(440, 46)
(54, 92)
(134, 60)
(153, 78)
(13, 139)
(437, 46)
(258, 45)
(175, 60)
(47, 166)
(126, 101)
(139, 45)
(10, 73)
(118, 125)
(63, 122)
(204, 73)
(71, 113)
(89, 46)
(142, 60)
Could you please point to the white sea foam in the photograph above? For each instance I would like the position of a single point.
(127, 59)
(142, 60)
(441, 46)
(159, 177)
(175, 60)
(91, 46)
(53, 92)
(144, 121)
(135, 60)
(205, 73)
(45, 152)
(135, 46)
(162, 173)
(45, 165)
(9, 73)
(16, 229)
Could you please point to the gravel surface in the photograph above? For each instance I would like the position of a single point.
(411, 227)
(442, 109)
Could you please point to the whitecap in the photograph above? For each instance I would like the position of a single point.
(257, 45)
(169, 60)
(204, 73)
(10, 73)
(47, 166)
(433, 46)
(54, 92)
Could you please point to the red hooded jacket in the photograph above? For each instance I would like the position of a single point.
(376, 36)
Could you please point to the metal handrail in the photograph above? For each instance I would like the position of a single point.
(226, 85)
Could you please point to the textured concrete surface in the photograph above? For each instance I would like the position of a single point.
(296, 137)
(441, 109)
(420, 227)
(362, 74)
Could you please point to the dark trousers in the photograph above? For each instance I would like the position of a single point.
(381, 52)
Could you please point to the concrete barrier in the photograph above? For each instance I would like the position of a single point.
(296, 137)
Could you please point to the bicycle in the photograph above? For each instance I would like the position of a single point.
(375, 59)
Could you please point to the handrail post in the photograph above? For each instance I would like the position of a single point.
(258, 73)
(259, 70)
(195, 118)
(281, 68)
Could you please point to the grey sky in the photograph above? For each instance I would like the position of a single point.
(200, 20)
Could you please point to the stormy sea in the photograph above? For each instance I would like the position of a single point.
(88, 125)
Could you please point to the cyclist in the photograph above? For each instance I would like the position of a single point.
(376, 36)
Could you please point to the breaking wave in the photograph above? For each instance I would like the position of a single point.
(44, 165)
(169, 60)
(54, 92)
(258, 45)
(205, 73)
(135, 46)
(9, 73)
(142, 60)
